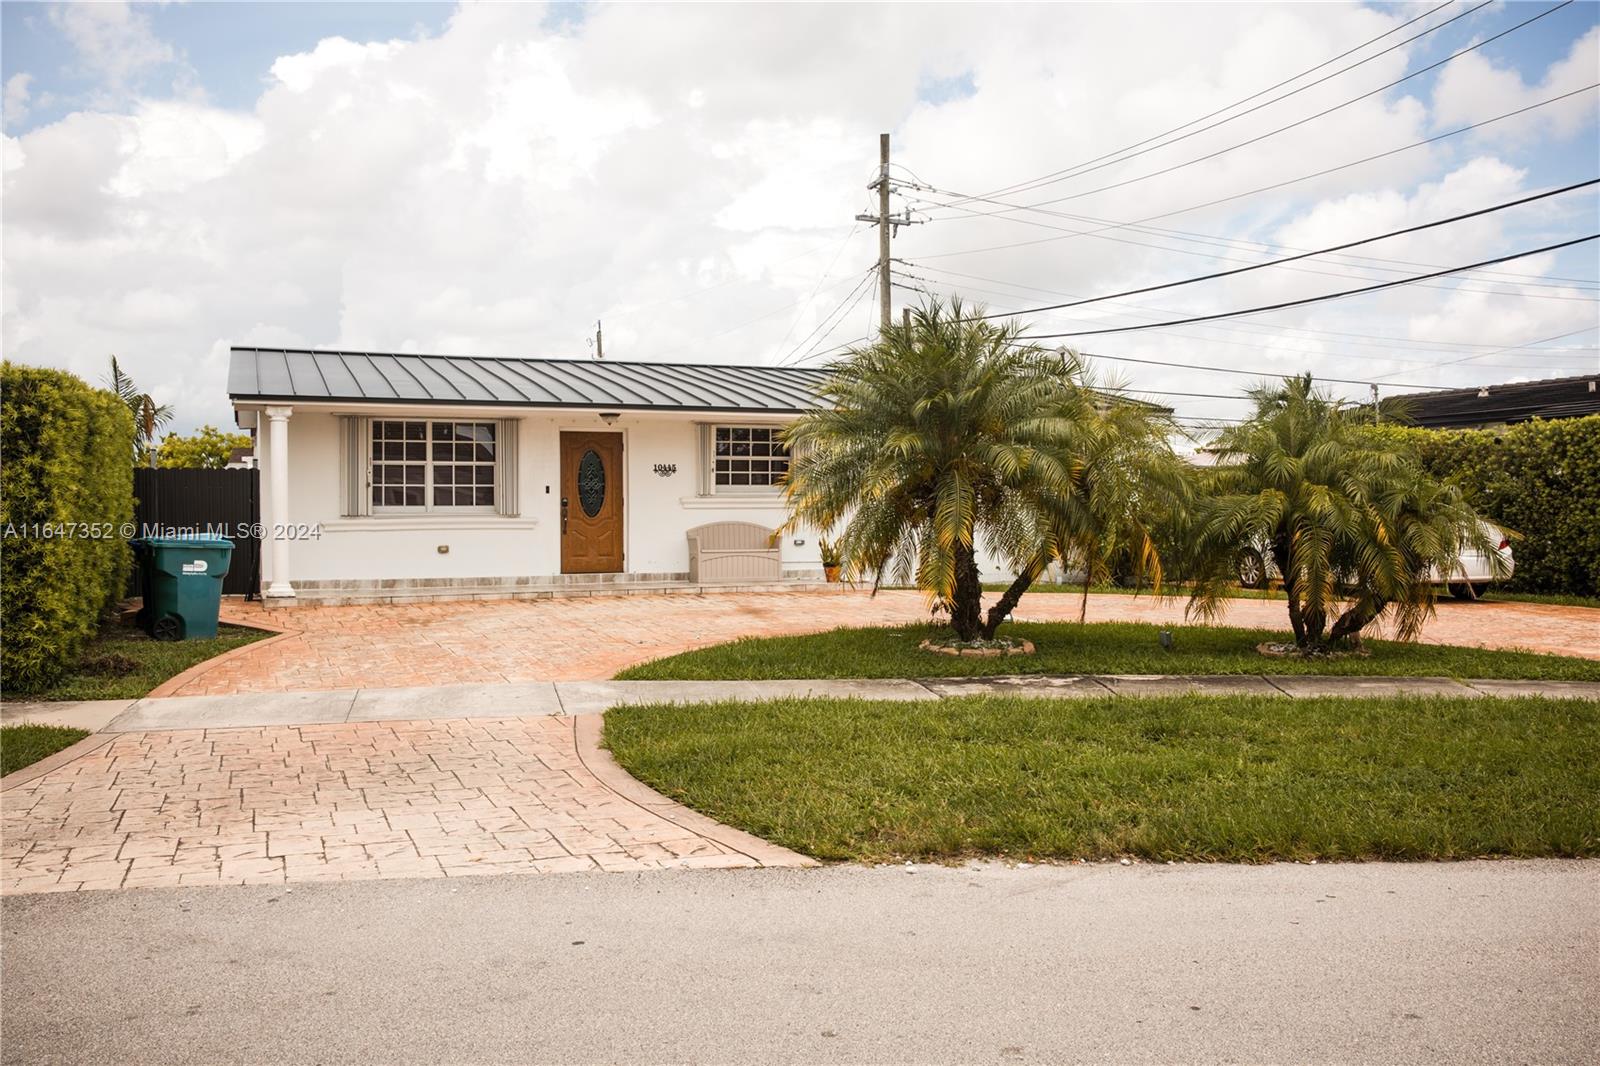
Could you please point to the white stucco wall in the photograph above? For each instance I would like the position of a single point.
(657, 511)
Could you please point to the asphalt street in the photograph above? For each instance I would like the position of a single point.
(1443, 963)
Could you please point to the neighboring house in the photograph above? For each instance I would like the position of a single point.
(1495, 405)
(387, 476)
(241, 459)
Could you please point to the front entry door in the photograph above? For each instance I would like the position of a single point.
(591, 503)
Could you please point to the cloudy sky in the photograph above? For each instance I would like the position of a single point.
(494, 179)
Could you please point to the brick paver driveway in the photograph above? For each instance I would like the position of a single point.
(583, 639)
(341, 802)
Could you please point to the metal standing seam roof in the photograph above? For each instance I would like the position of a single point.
(291, 375)
(266, 374)
(1515, 401)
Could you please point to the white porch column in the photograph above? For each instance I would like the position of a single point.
(278, 472)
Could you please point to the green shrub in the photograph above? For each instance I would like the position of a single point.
(1541, 479)
(65, 469)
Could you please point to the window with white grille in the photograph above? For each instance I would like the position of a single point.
(748, 458)
(429, 465)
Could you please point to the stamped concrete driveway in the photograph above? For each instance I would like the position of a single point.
(580, 639)
(354, 801)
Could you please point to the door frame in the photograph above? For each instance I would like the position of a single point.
(622, 482)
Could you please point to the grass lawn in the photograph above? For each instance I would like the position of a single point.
(1554, 599)
(25, 744)
(1096, 648)
(124, 663)
(1247, 779)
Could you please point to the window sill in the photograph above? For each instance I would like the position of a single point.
(750, 501)
(399, 523)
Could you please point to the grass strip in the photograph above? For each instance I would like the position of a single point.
(1211, 779)
(1095, 648)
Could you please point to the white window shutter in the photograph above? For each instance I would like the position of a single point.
(505, 472)
(355, 495)
(704, 480)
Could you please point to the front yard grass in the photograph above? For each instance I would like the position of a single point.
(26, 743)
(124, 663)
(1235, 779)
(1095, 648)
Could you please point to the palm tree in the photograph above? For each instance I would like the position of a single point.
(148, 416)
(949, 429)
(1354, 525)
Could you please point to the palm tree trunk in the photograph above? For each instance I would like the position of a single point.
(966, 607)
(1291, 588)
(1008, 599)
(1353, 621)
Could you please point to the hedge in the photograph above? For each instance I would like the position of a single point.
(66, 492)
(1541, 479)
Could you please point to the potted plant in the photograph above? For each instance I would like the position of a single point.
(830, 558)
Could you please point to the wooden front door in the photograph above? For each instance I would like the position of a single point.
(591, 503)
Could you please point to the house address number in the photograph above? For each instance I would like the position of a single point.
(666, 469)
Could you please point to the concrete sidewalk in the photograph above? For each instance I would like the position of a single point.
(593, 697)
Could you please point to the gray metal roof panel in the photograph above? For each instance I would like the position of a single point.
(278, 374)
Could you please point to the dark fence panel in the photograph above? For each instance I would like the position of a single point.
(193, 502)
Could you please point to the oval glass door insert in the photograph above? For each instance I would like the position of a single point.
(591, 483)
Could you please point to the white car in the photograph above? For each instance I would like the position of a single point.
(1472, 577)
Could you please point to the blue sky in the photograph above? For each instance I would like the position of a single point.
(507, 174)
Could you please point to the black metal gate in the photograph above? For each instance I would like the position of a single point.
(223, 503)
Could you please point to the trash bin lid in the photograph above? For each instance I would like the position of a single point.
(182, 542)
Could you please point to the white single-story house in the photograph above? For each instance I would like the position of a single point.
(389, 476)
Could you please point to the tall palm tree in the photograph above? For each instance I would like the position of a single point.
(951, 430)
(1357, 529)
(148, 416)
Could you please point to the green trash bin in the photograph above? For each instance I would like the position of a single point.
(182, 585)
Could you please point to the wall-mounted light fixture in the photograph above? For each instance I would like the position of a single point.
(608, 417)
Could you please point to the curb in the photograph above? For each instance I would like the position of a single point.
(587, 733)
(34, 771)
(172, 685)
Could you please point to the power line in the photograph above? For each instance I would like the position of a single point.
(1303, 121)
(1272, 335)
(1102, 233)
(1248, 373)
(1036, 182)
(1327, 296)
(854, 294)
(825, 275)
(1497, 351)
(1302, 255)
(1280, 184)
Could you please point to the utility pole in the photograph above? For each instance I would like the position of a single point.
(1377, 413)
(886, 224)
(599, 341)
(884, 290)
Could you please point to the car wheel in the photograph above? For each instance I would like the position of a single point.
(1463, 591)
(1252, 569)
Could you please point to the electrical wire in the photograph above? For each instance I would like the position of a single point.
(1303, 255)
(1037, 182)
(1281, 184)
(1363, 262)
(1327, 296)
(1271, 334)
(1300, 122)
(864, 277)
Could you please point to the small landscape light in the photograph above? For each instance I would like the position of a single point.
(1166, 638)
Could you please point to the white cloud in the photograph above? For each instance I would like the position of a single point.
(689, 173)
(17, 94)
(114, 40)
(1473, 88)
